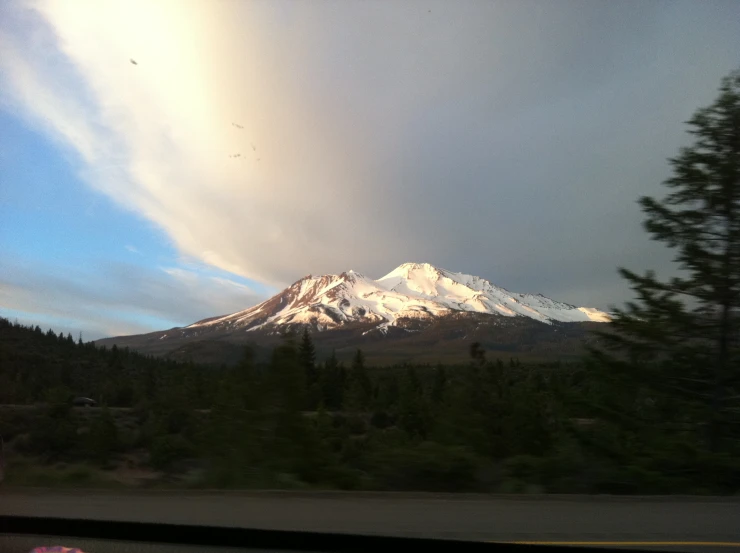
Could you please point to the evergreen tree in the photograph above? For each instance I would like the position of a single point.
(360, 387)
(413, 415)
(386, 392)
(438, 388)
(294, 446)
(680, 337)
(459, 420)
(237, 431)
(332, 383)
(285, 382)
(307, 358)
(477, 353)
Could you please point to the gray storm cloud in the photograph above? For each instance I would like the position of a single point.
(504, 139)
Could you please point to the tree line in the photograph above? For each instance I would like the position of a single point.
(299, 422)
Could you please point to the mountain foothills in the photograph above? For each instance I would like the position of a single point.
(415, 312)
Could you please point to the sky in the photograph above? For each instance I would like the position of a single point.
(253, 142)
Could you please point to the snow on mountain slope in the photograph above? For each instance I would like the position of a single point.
(412, 290)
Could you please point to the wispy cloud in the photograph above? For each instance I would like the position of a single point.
(139, 130)
(120, 298)
(131, 248)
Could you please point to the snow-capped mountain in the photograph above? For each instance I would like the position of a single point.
(415, 312)
(412, 291)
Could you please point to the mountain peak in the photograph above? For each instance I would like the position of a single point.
(412, 291)
(415, 266)
(405, 270)
(352, 276)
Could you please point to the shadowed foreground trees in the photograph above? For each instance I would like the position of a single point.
(485, 426)
(671, 358)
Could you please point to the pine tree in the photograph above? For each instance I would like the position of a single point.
(440, 383)
(477, 354)
(294, 446)
(237, 431)
(413, 414)
(285, 388)
(360, 387)
(307, 358)
(459, 420)
(680, 337)
(246, 377)
(332, 384)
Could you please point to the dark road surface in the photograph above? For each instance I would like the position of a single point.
(711, 524)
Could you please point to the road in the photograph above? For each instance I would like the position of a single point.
(688, 524)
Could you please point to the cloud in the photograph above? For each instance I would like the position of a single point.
(119, 298)
(132, 249)
(505, 139)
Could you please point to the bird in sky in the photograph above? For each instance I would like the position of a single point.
(253, 148)
(134, 61)
(237, 126)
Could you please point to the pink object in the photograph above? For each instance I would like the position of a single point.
(56, 549)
